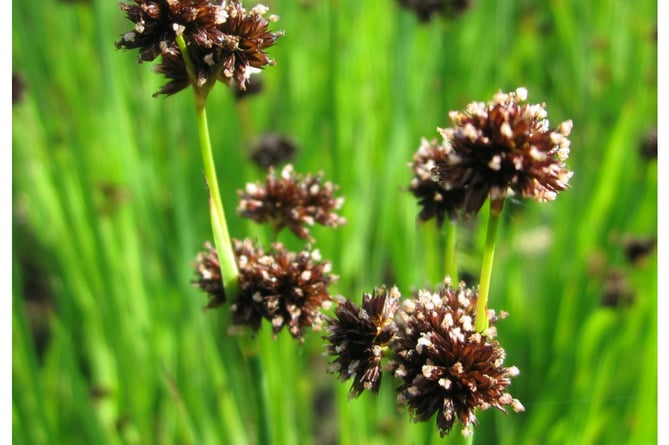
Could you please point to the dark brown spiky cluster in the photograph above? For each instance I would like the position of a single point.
(502, 148)
(224, 41)
(291, 201)
(435, 200)
(273, 149)
(357, 337)
(208, 269)
(446, 366)
(426, 9)
(286, 288)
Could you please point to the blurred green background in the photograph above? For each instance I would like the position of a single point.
(109, 340)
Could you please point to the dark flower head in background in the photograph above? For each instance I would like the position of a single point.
(502, 148)
(426, 9)
(358, 336)
(224, 41)
(291, 201)
(286, 288)
(273, 149)
(446, 366)
(435, 200)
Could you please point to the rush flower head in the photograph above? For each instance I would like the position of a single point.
(224, 41)
(286, 288)
(273, 149)
(291, 201)
(208, 269)
(426, 9)
(502, 148)
(155, 22)
(357, 337)
(435, 200)
(446, 366)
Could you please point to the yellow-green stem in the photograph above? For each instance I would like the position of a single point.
(486, 268)
(226, 254)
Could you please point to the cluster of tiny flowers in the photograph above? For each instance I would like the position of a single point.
(286, 288)
(291, 201)
(435, 200)
(502, 148)
(357, 336)
(272, 149)
(224, 42)
(426, 9)
(446, 367)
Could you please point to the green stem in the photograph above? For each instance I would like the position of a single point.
(250, 350)
(486, 267)
(226, 254)
(450, 265)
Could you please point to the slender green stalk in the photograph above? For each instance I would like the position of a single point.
(252, 354)
(226, 254)
(486, 267)
(450, 265)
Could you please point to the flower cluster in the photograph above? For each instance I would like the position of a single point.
(494, 150)
(273, 149)
(291, 201)
(223, 41)
(446, 367)
(436, 201)
(357, 337)
(426, 9)
(286, 288)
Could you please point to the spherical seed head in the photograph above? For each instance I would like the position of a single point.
(502, 148)
(273, 149)
(155, 22)
(446, 366)
(208, 269)
(288, 289)
(292, 201)
(435, 200)
(426, 9)
(358, 335)
(224, 41)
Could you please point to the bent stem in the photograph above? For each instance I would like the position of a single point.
(226, 254)
(486, 267)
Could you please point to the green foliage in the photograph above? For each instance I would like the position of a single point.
(110, 343)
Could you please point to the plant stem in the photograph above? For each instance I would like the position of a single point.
(486, 267)
(450, 265)
(250, 350)
(226, 254)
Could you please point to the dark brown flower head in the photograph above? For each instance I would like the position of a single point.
(286, 288)
(617, 291)
(208, 269)
(224, 41)
(18, 88)
(435, 200)
(648, 147)
(638, 248)
(273, 149)
(446, 366)
(156, 23)
(357, 337)
(502, 148)
(291, 201)
(426, 9)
